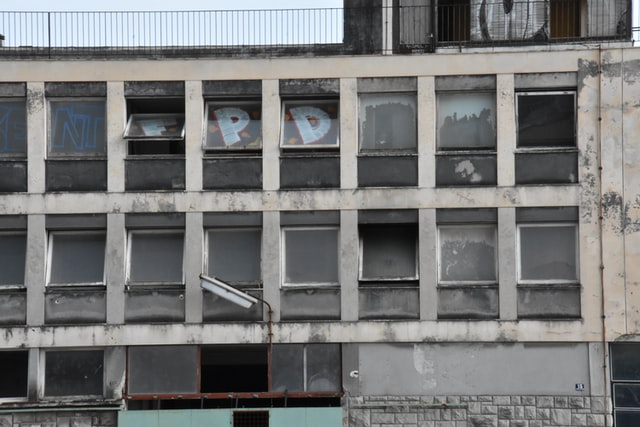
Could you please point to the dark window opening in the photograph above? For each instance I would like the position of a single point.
(251, 419)
(155, 126)
(14, 374)
(565, 18)
(233, 402)
(234, 368)
(546, 119)
(454, 20)
(74, 373)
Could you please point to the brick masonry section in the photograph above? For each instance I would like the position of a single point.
(476, 411)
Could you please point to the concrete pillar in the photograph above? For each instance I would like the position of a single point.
(426, 132)
(37, 144)
(271, 253)
(506, 129)
(116, 146)
(115, 267)
(507, 270)
(349, 133)
(193, 266)
(428, 259)
(194, 114)
(270, 135)
(349, 252)
(35, 273)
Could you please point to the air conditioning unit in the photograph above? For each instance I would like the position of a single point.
(509, 20)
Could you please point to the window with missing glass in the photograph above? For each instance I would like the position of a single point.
(548, 253)
(77, 128)
(310, 256)
(155, 127)
(14, 371)
(307, 368)
(13, 248)
(155, 257)
(466, 121)
(388, 122)
(13, 128)
(467, 254)
(546, 119)
(76, 257)
(388, 252)
(310, 124)
(233, 126)
(234, 255)
(73, 373)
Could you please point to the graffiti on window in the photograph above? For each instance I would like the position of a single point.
(77, 127)
(234, 126)
(13, 127)
(310, 124)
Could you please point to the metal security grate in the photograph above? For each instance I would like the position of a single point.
(251, 419)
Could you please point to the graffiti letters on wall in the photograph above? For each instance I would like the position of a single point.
(233, 126)
(77, 128)
(13, 128)
(310, 124)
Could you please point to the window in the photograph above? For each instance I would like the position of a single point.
(388, 253)
(625, 375)
(76, 257)
(388, 122)
(234, 255)
(13, 248)
(311, 256)
(466, 121)
(564, 18)
(548, 253)
(163, 370)
(310, 124)
(233, 126)
(307, 368)
(13, 128)
(74, 373)
(77, 128)
(467, 254)
(546, 119)
(155, 256)
(454, 20)
(155, 127)
(14, 369)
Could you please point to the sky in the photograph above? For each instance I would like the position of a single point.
(155, 5)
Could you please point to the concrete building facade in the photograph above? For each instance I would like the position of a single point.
(443, 238)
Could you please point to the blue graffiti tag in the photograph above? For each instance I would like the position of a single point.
(13, 127)
(78, 127)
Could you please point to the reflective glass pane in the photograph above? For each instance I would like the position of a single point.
(77, 128)
(389, 252)
(234, 255)
(13, 128)
(467, 254)
(77, 258)
(548, 253)
(311, 256)
(163, 369)
(310, 124)
(74, 373)
(388, 122)
(13, 247)
(156, 257)
(323, 368)
(155, 126)
(288, 367)
(233, 126)
(625, 362)
(466, 121)
(546, 120)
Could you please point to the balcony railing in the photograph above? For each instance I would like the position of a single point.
(415, 25)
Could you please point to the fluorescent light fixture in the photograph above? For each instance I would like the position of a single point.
(226, 291)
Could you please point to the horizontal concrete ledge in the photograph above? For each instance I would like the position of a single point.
(409, 405)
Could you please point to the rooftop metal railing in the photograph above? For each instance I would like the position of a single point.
(450, 23)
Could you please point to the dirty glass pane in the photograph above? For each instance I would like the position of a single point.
(74, 373)
(77, 128)
(388, 122)
(627, 418)
(311, 256)
(233, 126)
(626, 395)
(163, 369)
(548, 253)
(546, 119)
(466, 121)
(156, 257)
(323, 367)
(310, 124)
(389, 253)
(155, 126)
(287, 367)
(234, 255)
(13, 247)
(77, 257)
(625, 362)
(467, 254)
(13, 128)
(14, 373)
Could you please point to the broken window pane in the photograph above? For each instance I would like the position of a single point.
(234, 368)
(307, 367)
(546, 119)
(155, 257)
(76, 257)
(467, 253)
(13, 128)
(163, 370)
(77, 128)
(233, 126)
(548, 253)
(388, 122)
(310, 124)
(74, 373)
(13, 247)
(388, 252)
(14, 373)
(466, 121)
(311, 256)
(235, 255)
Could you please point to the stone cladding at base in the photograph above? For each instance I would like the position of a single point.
(476, 411)
(60, 419)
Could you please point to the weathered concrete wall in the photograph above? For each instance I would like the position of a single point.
(60, 419)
